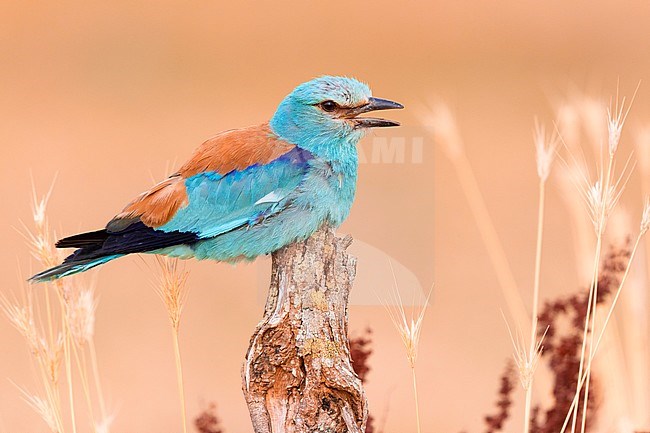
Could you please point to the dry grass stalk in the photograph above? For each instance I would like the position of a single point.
(584, 376)
(440, 122)
(643, 229)
(409, 329)
(40, 241)
(80, 319)
(46, 355)
(645, 217)
(598, 219)
(601, 199)
(565, 357)
(61, 335)
(545, 152)
(635, 344)
(81, 329)
(562, 348)
(106, 419)
(173, 291)
(641, 381)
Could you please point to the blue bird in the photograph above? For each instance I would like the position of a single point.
(247, 192)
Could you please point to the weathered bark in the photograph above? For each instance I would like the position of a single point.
(297, 376)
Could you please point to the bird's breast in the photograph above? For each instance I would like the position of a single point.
(331, 189)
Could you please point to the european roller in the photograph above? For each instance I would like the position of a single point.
(247, 192)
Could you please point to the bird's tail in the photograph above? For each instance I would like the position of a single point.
(70, 267)
(88, 255)
(101, 246)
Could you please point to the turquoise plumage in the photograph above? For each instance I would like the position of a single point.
(247, 192)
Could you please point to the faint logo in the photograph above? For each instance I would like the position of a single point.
(392, 150)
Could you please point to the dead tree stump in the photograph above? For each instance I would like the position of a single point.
(298, 376)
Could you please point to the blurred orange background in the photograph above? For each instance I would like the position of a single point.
(104, 96)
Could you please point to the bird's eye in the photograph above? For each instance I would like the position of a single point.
(329, 106)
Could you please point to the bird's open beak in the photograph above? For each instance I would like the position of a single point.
(373, 104)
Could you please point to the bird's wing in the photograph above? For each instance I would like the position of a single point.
(218, 204)
(233, 179)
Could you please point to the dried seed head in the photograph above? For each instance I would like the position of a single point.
(595, 125)
(525, 358)
(645, 219)
(39, 206)
(409, 328)
(104, 425)
(602, 199)
(172, 287)
(614, 128)
(22, 318)
(52, 355)
(440, 122)
(41, 245)
(545, 151)
(600, 202)
(568, 124)
(40, 239)
(615, 120)
(43, 408)
(81, 315)
(409, 331)
(642, 149)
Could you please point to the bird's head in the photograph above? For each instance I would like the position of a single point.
(324, 113)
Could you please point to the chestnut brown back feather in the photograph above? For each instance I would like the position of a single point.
(236, 150)
(154, 207)
(231, 150)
